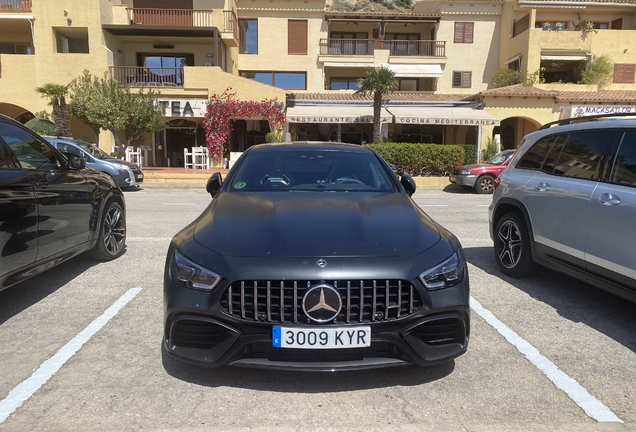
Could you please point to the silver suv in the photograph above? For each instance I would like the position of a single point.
(567, 200)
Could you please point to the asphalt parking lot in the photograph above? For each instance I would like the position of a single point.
(81, 350)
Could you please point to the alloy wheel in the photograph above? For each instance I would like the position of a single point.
(509, 244)
(114, 230)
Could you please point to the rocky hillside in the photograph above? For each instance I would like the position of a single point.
(369, 5)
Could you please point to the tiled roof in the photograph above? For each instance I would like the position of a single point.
(378, 15)
(598, 96)
(519, 90)
(345, 96)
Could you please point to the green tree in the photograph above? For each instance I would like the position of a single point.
(505, 77)
(142, 114)
(87, 103)
(599, 71)
(377, 82)
(56, 93)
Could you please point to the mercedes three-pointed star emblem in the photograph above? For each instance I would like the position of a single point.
(322, 303)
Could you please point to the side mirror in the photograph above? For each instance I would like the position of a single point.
(75, 162)
(408, 184)
(214, 184)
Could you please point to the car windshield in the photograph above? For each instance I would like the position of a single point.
(92, 150)
(500, 158)
(309, 169)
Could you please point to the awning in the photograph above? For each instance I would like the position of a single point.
(334, 114)
(351, 65)
(463, 116)
(564, 58)
(415, 71)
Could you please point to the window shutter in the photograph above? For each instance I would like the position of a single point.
(469, 28)
(617, 24)
(459, 32)
(297, 37)
(466, 79)
(624, 73)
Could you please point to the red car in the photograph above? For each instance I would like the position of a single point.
(481, 177)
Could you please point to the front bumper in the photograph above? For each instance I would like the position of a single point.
(198, 329)
(464, 180)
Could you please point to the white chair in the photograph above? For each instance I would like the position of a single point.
(188, 158)
(133, 155)
(200, 158)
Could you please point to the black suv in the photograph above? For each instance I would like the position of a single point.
(567, 200)
(52, 207)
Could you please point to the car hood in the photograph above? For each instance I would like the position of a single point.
(121, 161)
(310, 224)
(473, 166)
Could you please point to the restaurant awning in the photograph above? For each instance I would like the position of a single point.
(334, 114)
(415, 70)
(463, 116)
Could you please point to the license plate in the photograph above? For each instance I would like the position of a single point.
(321, 338)
(140, 177)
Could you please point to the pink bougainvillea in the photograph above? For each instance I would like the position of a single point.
(222, 109)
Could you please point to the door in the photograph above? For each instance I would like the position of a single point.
(62, 196)
(18, 215)
(610, 249)
(558, 196)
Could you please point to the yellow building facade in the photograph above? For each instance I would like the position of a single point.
(443, 53)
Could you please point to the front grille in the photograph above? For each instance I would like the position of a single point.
(442, 332)
(195, 334)
(281, 301)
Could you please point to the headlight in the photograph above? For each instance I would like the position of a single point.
(465, 172)
(120, 166)
(188, 274)
(447, 274)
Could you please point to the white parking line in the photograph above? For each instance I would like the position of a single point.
(23, 391)
(592, 406)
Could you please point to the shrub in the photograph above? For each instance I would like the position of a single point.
(599, 71)
(434, 160)
(470, 154)
(490, 150)
(41, 126)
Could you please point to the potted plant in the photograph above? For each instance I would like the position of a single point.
(560, 26)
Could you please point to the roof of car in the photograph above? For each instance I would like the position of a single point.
(309, 145)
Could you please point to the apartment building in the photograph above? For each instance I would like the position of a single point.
(444, 54)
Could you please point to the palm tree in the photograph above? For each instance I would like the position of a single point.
(57, 99)
(377, 82)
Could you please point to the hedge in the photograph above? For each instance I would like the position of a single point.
(429, 160)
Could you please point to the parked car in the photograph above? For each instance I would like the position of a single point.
(52, 207)
(126, 174)
(313, 256)
(568, 201)
(481, 177)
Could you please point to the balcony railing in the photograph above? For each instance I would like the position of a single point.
(170, 17)
(136, 76)
(358, 47)
(231, 23)
(15, 5)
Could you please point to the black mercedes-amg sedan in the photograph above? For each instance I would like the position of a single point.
(313, 256)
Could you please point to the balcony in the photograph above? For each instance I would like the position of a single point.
(396, 48)
(136, 76)
(15, 5)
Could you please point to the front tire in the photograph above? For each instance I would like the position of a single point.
(485, 184)
(111, 237)
(513, 251)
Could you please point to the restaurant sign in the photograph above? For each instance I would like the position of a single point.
(588, 110)
(182, 107)
(335, 119)
(446, 121)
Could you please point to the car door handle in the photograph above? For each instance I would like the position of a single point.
(543, 187)
(609, 199)
(43, 184)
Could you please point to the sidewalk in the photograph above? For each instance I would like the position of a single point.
(169, 175)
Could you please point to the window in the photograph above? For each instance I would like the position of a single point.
(343, 84)
(462, 79)
(464, 32)
(349, 43)
(408, 84)
(297, 37)
(553, 155)
(598, 25)
(30, 151)
(534, 157)
(284, 80)
(248, 29)
(581, 157)
(624, 73)
(624, 171)
(403, 43)
(72, 40)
